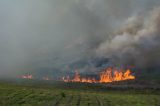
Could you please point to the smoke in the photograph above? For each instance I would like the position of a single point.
(54, 37)
(137, 43)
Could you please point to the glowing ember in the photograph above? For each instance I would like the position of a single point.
(27, 76)
(108, 75)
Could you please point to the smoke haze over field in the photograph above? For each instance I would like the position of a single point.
(137, 43)
(63, 35)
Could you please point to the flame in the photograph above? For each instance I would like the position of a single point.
(111, 75)
(29, 76)
(77, 78)
(108, 75)
(46, 78)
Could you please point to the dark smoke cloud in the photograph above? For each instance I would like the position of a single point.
(60, 35)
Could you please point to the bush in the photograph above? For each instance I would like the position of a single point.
(63, 94)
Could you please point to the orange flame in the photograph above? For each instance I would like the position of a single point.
(29, 76)
(46, 78)
(108, 75)
(77, 78)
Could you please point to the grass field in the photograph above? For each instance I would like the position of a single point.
(38, 95)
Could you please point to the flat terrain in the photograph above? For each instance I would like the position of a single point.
(30, 94)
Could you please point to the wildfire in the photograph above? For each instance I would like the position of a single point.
(108, 75)
(111, 75)
(46, 78)
(77, 78)
(29, 76)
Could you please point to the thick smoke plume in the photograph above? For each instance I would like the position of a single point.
(137, 43)
(54, 37)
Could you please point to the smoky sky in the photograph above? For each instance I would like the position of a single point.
(38, 35)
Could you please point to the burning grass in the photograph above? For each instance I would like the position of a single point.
(28, 76)
(108, 75)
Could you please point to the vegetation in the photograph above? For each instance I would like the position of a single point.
(42, 95)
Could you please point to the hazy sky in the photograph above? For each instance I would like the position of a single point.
(51, 34)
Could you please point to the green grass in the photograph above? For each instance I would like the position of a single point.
(26, 95)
